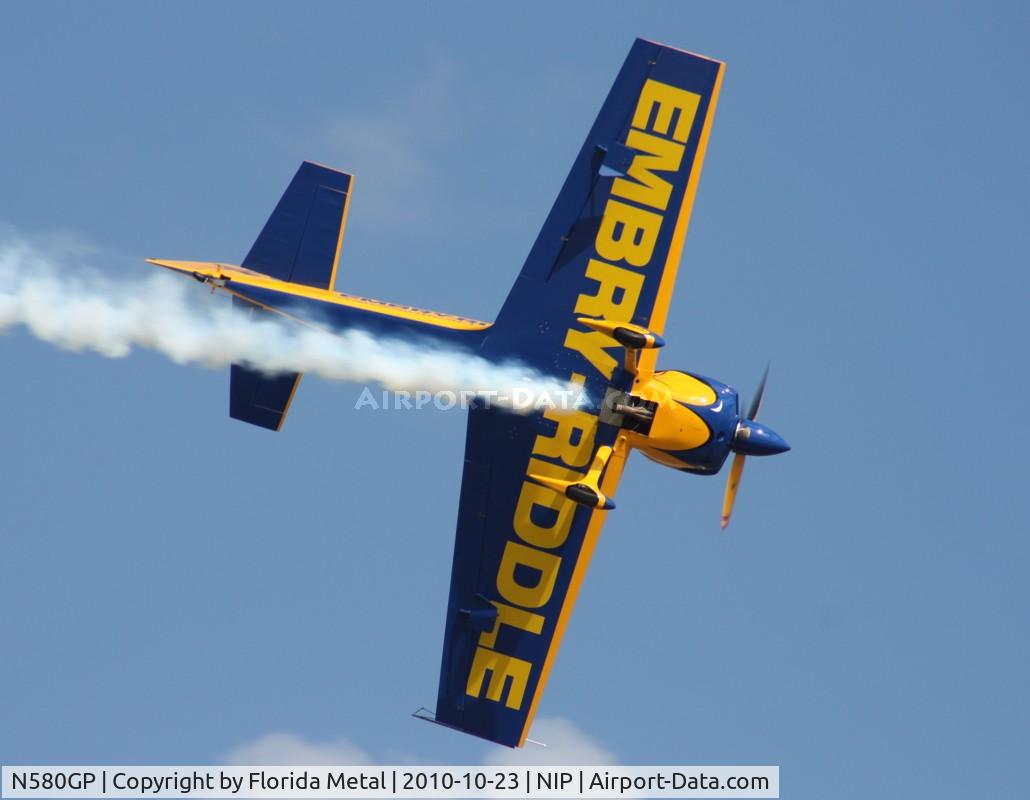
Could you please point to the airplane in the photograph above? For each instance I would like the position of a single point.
(589, 305)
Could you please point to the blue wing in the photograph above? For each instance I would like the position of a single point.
(610, 249)
(520, 553)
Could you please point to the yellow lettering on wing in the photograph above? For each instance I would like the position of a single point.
(500, 667)
(665, 101)
(627, 233)
(653, 155)
(618, 290)
(573, 439)
(591, 345)
(535, 496)
(513, 618)
(626, 239)
(544, 564)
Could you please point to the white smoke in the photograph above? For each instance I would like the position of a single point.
(78, 309)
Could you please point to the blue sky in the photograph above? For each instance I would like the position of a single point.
(178, 587)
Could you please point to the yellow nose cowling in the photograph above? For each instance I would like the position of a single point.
(676, 427)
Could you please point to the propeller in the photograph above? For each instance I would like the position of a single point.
(736, 470)
(757, 402)
(737, 467)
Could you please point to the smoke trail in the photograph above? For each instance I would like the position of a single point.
(86, 311)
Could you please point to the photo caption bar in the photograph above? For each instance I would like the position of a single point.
(386, 782)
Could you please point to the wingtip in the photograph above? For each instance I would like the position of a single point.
(166, 263)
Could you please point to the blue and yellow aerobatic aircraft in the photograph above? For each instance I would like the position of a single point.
(589, 305)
